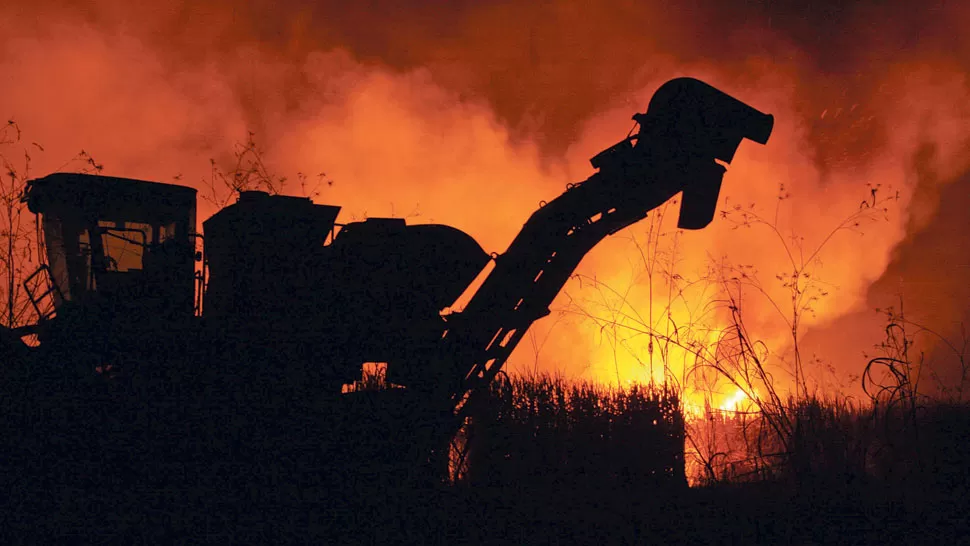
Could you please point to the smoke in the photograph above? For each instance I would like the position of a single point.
(470, 113)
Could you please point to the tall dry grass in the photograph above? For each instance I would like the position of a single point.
(547, 431)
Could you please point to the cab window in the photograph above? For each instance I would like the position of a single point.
(124, 244)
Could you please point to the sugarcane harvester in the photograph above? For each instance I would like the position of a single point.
(285, 291)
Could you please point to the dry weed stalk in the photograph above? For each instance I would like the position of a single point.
(773, 431)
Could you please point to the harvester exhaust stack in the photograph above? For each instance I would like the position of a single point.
(704, 121)
(689, 125)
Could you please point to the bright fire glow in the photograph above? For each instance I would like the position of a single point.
(737, 402)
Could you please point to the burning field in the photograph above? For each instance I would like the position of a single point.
(829, 291)
(462, 108)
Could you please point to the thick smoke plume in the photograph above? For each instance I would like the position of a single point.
(470, 113)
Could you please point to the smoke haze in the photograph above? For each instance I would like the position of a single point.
(470, 113)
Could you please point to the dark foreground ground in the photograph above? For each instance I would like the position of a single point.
(227, 467)
(736, 515)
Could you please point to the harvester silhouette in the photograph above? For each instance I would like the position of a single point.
(287, 304)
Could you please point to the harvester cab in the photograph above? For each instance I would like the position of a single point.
(119, 252)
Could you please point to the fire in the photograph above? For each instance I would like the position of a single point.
(472, 116)
(737, 402)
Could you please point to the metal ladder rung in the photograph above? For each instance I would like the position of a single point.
(43, 295)
(37, 299)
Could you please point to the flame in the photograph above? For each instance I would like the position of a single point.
(737, 402)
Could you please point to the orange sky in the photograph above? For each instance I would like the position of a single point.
(470, 113)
